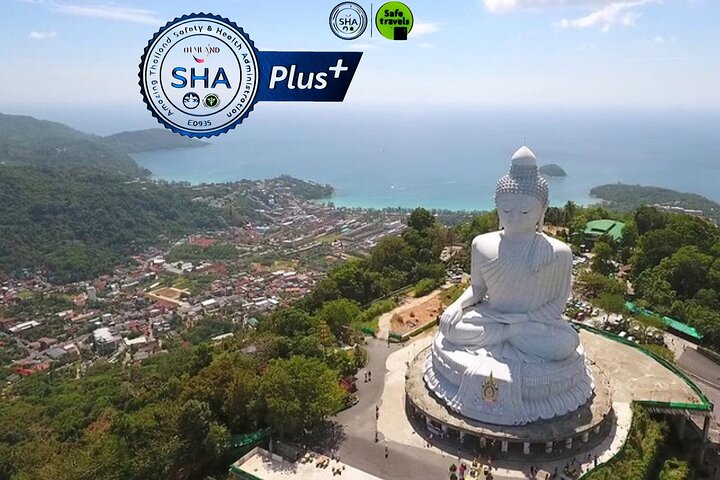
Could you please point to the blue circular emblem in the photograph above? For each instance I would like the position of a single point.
(199, 75)
(348, 20)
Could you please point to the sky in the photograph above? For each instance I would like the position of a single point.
(534, 53)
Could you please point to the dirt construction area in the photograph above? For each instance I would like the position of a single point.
(415, 314)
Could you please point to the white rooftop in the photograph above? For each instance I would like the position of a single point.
(136, 341)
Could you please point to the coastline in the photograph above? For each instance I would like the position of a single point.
(350, 194)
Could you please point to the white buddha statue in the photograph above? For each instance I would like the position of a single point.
(504, 353)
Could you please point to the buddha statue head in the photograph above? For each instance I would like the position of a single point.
(522, 196)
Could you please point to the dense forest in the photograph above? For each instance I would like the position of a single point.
(629, 197)
(168, 419)
(676, 269)
(77, 223)
(138, 141)
(673, 260)
(28, 141)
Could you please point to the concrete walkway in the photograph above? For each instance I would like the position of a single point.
(395, 426)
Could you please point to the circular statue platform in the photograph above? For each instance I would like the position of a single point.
(581, 424)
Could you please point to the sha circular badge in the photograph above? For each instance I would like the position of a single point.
(348, 20)
(199, 75)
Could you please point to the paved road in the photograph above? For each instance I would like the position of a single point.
(700, 366)
(706, 374)
(359, 448)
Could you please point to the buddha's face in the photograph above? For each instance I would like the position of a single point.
(519, 213)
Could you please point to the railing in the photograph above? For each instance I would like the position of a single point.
(705, 405)
(396, 337)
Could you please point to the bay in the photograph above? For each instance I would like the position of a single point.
(451, 157)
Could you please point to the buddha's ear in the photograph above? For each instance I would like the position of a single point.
(541, 222)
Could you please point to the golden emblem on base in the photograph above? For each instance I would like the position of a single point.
(490, 390)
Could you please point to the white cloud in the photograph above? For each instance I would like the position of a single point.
(420, 28)
(108, 11)
(660, 40)
(42, 35)
(500, 6)
(616, 13)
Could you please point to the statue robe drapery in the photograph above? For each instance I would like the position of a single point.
(528, 278)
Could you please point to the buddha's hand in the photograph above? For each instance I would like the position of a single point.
(451, 317)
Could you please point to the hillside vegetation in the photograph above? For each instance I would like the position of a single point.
(629, 197)
(77, 223)
(28, 141)
(148, 140)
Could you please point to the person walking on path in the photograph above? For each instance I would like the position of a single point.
(386, 451)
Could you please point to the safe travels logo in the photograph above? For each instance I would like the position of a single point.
(393, 20)
(201, 75)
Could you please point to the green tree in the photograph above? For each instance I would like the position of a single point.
(686, 270)
(239, 402)
(355, 282)
(577, 229)
(339, 315)
(324, 291)
(342, 361)
(646, 325)
(289, 322)
(568, 214)
(675, 469)
(649, 218)
(602, 258)
(420, 219)
(596, 284)
(483, 223)
(201, 357)
(421, 243)
(392, 254)
(298, 393)
(652, 247)
(611, 303)
(425, 286)
(713, 277)
(203, 441)
(653, 287)
(554, 216)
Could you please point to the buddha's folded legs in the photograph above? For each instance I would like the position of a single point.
(477, 335)
(544, 341)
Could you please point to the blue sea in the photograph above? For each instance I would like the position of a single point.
(451, 157)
